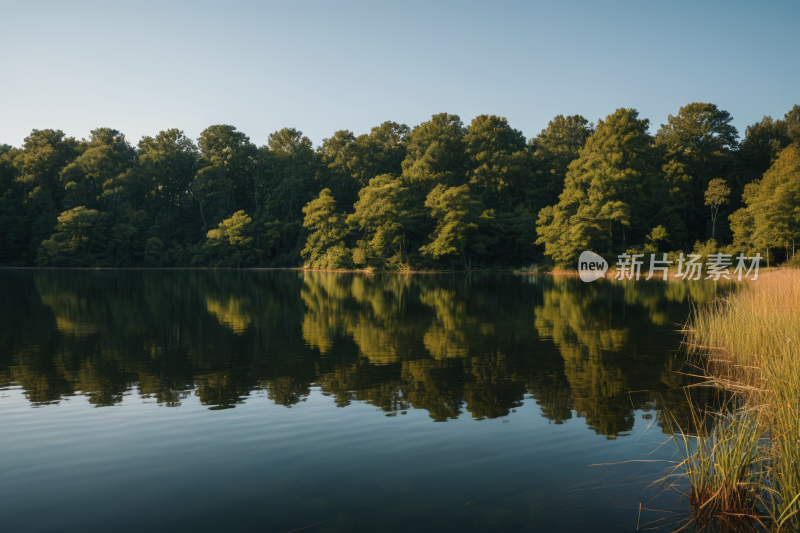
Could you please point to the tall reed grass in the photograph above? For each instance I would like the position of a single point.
(749, 343)
(725, 464)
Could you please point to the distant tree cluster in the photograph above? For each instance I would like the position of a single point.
(439, 196)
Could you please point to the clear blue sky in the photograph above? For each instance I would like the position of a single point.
(142, 67)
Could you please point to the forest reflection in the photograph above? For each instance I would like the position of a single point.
(476, 345)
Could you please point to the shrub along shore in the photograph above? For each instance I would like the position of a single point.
(749, 343)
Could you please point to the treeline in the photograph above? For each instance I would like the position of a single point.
(440, 195)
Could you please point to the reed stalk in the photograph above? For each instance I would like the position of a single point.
(726, 466)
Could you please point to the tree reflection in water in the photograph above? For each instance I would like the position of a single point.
(477, 344)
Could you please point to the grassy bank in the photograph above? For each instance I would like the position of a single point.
(750, 343)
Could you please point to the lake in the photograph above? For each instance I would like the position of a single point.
(278, 401)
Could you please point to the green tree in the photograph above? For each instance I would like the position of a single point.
(124, 245)
(325, 247)
(558, 145)
(153, 252)
(498, 166)
(106, 155)
(435, 153)
(697, 146)
(353, 161)
(379, 218)
(657, 235)
(461, 225)
(604, 192)
(168, 163)
(230, 150)
(716, 195)
(79, 236)
(762, 144)
(29, 206)
(231, 244)
(213, 192)
(792, 121)
(45, 153)
(292, 167)
(771, 218)
(26, 222)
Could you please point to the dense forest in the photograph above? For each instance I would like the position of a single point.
(439, 196)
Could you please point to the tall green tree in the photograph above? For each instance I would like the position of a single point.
(231, 151)
(716, 195)
(79, 237)
(462, 229)
(293, 165)
(556, 146)
(231, 244)
(106, 155)
(353, 161)
(168, 163)
(697, 146)
(604, 194)
(762, 144)
(325, 247)
(435, 153)
(30, 205)
(498, 166)
(771, 217)
(44, 155)
(380, 216)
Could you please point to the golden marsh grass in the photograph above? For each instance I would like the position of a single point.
(749, 343)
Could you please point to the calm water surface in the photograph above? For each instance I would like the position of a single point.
(271, 401)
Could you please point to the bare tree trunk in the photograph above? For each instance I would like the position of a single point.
(205, 228)
(624, 238)
(713, 225)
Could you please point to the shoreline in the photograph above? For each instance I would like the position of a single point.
(609, 276)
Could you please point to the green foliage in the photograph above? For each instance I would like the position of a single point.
(761, 146)
(379, 218)
(167, 164)
(45, 153)
(435, 153)
(697, 146)
(657, 235)
(603, 196)
(353, 161)
(231, 151)
(498, 166)
(716, 195)
(153, 253)
(231, 244)
(79, 236)
(325, 248)
(706, 248)
(553, 150)
(462, 226)
(771, 217)
(573, 187)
